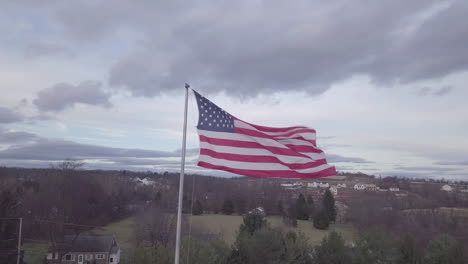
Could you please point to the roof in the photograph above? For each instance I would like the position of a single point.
(89, 243)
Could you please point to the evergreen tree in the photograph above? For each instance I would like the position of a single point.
(253, 220)
(445, 250)
(310, 205)
(302, 211)
(197, 208)
(321, 220)
(329, 205)
(280, 208)
(332, 250)
(228, 207)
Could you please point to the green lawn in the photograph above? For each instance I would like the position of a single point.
(227, 226)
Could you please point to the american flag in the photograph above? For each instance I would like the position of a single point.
(230, 144)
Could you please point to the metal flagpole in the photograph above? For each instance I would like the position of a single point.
(19, 240)
(181, 181)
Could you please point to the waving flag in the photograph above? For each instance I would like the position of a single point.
(230, 144)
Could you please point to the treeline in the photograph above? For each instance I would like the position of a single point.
(257, 242)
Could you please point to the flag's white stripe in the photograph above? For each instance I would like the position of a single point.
(297, 142)
(257, 165)
(241, 124)
(306, 135)
(241, 137)
(255, 152)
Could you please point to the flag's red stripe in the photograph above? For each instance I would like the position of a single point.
(261, 159)
(271, 174)
(271, 129)
(302, 148)
(247, 144)
(295, 132)
(253, 133)
(314, 142)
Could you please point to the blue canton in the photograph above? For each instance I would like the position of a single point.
(213, 118)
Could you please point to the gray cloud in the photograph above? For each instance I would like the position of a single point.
(443, 91)
(46, 149)
(9, 116)
(10, 137)
(338, 158)
(64, 95)
(247, 48)
(452, 163)
(427, 169)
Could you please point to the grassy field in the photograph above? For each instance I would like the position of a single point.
(227, 226)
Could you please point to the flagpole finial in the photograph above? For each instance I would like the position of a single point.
(187, 86)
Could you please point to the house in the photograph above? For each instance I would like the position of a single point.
(394, 189)
(85, 249)
(447, 188)
(360, 186)
(324, 185)
(341, 185)
(312, 185)
(372, 187)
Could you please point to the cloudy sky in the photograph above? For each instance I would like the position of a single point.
(383, 82)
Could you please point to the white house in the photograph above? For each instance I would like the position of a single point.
(394, 189)
(447, 188)
(312, 185)
(324, 185)
(360, 186)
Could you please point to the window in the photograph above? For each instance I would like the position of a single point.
(88, 257)
(100, 256)
(111, 260)
(55, 255)
(69, 257)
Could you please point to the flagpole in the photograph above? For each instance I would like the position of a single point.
(181, 180)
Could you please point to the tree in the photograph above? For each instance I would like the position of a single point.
(329, 205)
(321, 220)
(375, 246)
(332, 250)
(280, 208)
(253, 220)
(444, 250)
(302, 211)
(228, 207)
(270, 246)
(8, 227)
(197, 208)
(200, 252)
(408, 252)
(310, 205)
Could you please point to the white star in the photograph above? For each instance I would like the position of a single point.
(202, 114)
(201, 123)
(217, 125)
(206, 119)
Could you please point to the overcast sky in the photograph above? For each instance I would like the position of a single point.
(382, 82)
